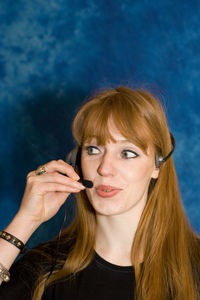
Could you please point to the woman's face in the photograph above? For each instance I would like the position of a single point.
(120, 172)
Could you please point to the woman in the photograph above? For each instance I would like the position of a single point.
(130, 238)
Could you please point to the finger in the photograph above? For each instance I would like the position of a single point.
(59, 166)
(57, 178)
(43, 187)
(33, 173)
(30, 174)
(62, 167)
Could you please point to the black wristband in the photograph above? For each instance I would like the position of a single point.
(13, 240)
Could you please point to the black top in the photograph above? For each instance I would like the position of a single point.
(99, 280)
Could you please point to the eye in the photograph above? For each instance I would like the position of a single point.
(129, 154)
(91, 150)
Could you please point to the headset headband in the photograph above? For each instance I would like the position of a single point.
(159, 160)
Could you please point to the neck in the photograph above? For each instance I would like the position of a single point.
(115, 236)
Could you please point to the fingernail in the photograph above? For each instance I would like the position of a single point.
(78, 185)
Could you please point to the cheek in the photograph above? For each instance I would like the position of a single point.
(138, 172)
(87, 170)
(89, 193)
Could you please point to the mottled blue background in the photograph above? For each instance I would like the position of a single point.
(55, 53)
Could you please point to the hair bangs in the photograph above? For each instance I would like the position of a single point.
(96, 124)
(125, 116)
(132, 125)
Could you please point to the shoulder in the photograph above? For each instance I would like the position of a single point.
(35, 263)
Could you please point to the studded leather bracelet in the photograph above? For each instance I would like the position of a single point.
(13, 240)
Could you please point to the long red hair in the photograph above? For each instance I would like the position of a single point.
(169, 267)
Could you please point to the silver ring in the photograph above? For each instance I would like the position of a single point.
(40, 170)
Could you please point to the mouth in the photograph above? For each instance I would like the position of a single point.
(107, 191)
(107, 187)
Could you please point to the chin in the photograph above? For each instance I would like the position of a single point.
(106, 209)
(106, 206)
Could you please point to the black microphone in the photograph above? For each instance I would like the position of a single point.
(87, 183)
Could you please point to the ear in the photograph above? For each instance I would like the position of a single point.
(155, 173)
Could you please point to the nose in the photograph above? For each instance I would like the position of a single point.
(106, 165)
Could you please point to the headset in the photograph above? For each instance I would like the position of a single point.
(74, 159)
(159, 159)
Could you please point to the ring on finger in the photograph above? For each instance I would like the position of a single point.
(41, 170)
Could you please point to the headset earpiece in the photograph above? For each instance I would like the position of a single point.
(73, 158)
(159, 159)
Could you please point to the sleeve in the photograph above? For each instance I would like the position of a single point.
(23, 276)
(25, 272)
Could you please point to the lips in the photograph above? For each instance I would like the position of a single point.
(107, 191)
(107, 188)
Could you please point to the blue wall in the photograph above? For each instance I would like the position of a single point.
(55, 53)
